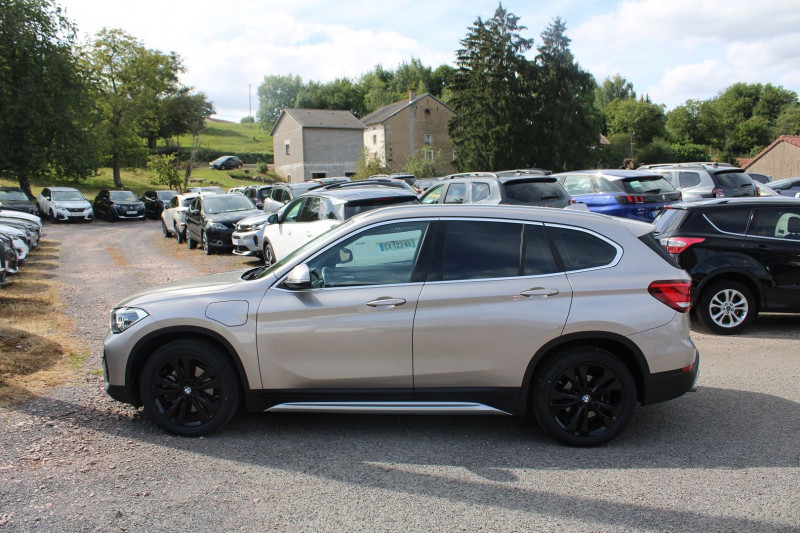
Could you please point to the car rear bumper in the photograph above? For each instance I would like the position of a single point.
(664, 386)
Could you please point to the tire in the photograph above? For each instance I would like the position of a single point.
(584, 397)
(726, 307)
(178, 235)
(189, 242)
(204, 241)
(268, 254)
(53, 219)
(189, 388)
(165, 231)
(110, 215)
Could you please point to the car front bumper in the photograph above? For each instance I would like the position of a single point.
(246, 243)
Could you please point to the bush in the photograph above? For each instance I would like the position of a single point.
(263, 167)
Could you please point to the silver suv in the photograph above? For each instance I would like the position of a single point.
(509, 187)
(698, 181)
(571, 316)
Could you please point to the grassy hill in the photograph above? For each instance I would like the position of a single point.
(218, 137)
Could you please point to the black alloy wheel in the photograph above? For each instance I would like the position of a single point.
(268, 254)
(189, 387)
(584, 397)
(53, 219)
(206, 246)
(726, 307)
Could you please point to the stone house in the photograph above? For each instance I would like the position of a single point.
(781, 159)
(316, 143)
(408, 127)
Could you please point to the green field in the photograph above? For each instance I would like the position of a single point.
(228, 137)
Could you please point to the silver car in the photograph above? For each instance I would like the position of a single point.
(571, 316)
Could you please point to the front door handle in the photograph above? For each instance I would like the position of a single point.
(386, 302)
(539, 291)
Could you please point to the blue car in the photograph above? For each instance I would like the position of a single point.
(632, 194)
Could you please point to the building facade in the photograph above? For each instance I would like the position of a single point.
(316, 143)
(781, 159)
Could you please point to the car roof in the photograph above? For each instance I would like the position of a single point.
(740, 201)
(615, 174)
(62, 188)
(363, 193)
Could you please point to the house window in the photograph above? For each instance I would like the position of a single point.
(374, 139)
(428, 139)
(430, 155)
(286, 146)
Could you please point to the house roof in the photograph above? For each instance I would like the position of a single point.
(321, 118)
(791, 139)
(386, 112)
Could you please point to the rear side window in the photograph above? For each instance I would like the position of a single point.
(580, 250)
(777, 222)
(480, 191)
(689, 179)
(520, 191)
(669, 220)
(730, 220)
(480, 250)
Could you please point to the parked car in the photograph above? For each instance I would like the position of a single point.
(523, 172)
(19, 240)
(211, 219)
(226, 162)
(317, 211)
(211, 189)
(487, 188)
(31, 229)
(379, 315)
(631, 194)
(257, 194)
(8, 254)
(13, 198)
(697, 181)
(246, 237)
(423, 184)
(118, 205)
(282, 193)
(63, 204)
(743, 255)
(24, 216)
(154, 201)
(238, 189)
(760, 178)
(173, 218)
(786, 186)
(764, 190)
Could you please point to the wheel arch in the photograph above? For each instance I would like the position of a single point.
(618, 345)
(745, 278)
(143, 349)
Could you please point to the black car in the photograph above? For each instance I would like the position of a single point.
(154, 201)
(226, 162)
(743, 255)
(211, 219)
(15, 199)
(257, 193)
(118, 205)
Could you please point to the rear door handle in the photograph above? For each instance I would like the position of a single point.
(539, 291)
(386, 302)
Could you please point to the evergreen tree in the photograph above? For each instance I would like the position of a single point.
(492, 97)
(566, 116)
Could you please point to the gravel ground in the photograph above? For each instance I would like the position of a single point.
(723, 459)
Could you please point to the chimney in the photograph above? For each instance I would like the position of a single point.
(412, 95)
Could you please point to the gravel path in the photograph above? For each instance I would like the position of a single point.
(724, 459)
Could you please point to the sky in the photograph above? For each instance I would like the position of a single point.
(671, 50)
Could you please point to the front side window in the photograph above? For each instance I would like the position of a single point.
(777, 222)
(432, 195)
(456, 193)
(292, 211)
(382, 255)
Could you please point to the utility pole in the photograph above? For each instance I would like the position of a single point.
(249, 106)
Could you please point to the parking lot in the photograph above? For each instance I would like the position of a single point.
(725, 458)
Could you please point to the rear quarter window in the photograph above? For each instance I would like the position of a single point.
(730, 220)
(579, 250)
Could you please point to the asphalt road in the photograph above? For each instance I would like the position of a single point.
(726, 458)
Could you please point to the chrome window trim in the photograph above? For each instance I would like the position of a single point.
(705, 216)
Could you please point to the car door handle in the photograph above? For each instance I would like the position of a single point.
(386, 302)
(539, 291)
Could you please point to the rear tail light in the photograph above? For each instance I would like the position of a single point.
(572, 201)
(630, 199)
(718, 193)
(678, 245)
(677, 294)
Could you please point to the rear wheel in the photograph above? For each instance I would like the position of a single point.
(726, 307)
(584, 397)
(191, 244)
(189, 387)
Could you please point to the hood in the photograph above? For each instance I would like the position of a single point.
(232, 218)
(71, 203)
(255, 219)
(19, 214)
(187, 287)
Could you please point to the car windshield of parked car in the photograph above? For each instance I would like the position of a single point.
(166, 196)
(122, 196)
(525, 191)
(67, 196)
(186, 202)
(649, 185)
(227, 204)
(733, 179)
(360, 206)
(12, 195)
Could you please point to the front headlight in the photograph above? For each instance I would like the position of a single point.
(124, 317)
(217, 226)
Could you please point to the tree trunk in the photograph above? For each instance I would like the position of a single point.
(115, 167)
(25, 185)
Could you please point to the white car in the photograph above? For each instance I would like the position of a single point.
(18, 239)
(173, 217)
(8, 213)
(61, 204)
(247, 236)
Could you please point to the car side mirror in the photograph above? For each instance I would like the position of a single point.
(194, 211)
(299, 278)
(259, 205)
(272, 219)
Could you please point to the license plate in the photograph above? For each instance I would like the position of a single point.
(397, 245)
(131, 212)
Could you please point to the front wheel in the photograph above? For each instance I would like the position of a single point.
(178, 234)
(164, 230)
(268, 254)
(726, 307)
(206, 246)
(190, 243)
(189, 387)
(584, 397)
(53, 219)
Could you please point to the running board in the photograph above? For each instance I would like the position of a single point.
(397, 408)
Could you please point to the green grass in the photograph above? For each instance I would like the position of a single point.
(233, 138)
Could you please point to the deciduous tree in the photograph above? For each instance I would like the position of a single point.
(275, 94)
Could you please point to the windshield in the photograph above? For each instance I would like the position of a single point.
(266, 270)
(227, 204)
(67, 196)
(534, 190)
(733, 179)
(12, 195)
(166, 195)
(122, 196)
(649, 185)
